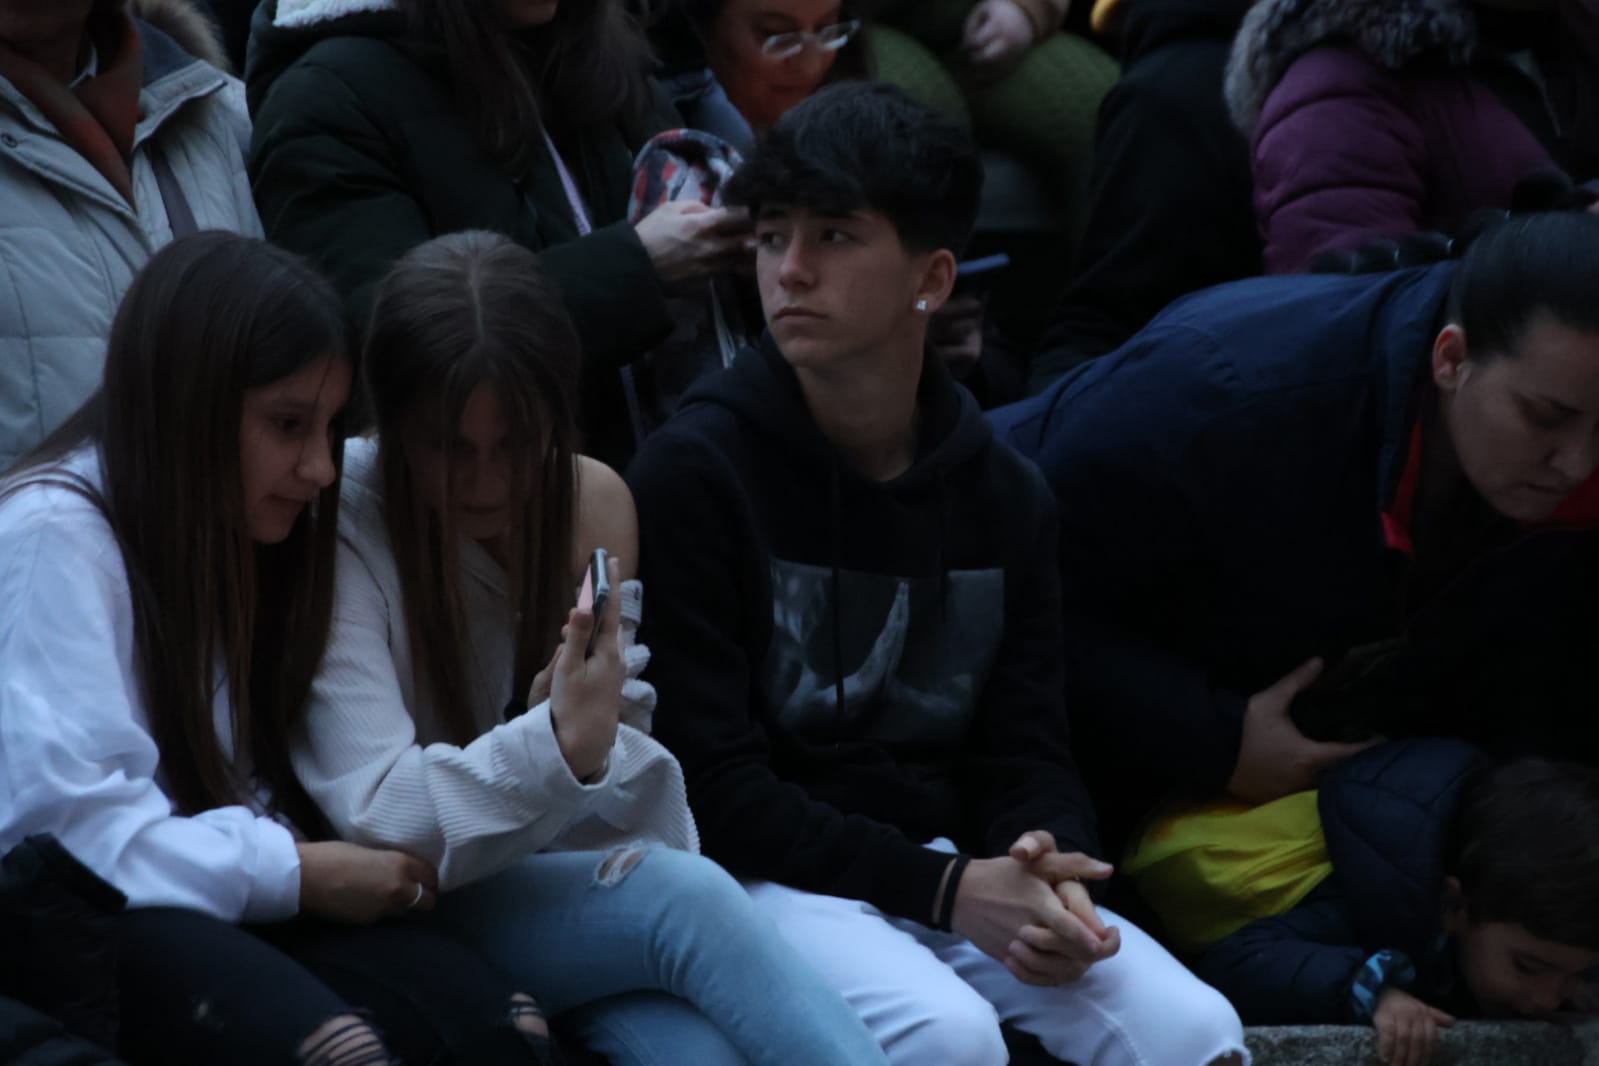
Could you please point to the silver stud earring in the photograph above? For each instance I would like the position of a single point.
(921, 305)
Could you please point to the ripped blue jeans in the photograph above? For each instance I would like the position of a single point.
(657, 958)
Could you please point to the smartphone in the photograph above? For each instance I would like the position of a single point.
(595, 593)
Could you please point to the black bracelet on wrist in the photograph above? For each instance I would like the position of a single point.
(952, 880)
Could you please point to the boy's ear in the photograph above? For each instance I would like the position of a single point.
(938, 279)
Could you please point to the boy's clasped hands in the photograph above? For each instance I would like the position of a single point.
(1031, 911)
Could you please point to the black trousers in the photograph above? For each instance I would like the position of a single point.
(195, 990)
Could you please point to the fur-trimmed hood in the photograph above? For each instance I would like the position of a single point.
(1390, 33)
(188, 25)
(299, 14)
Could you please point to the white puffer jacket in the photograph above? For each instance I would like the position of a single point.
(70, 245)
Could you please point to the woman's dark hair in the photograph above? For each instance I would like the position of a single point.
(866, 145)
(589, 66)
(458, 312)
(210, 316)
(1528, 849)
(1522, 266)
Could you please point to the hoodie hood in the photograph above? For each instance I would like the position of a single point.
(284, 30)
(1391, 33)
(762, 390)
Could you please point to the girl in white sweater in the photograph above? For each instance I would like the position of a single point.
(165, 594)
(441, 724)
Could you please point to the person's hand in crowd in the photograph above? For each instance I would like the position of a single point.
(586, 690)
(1274, 758)
(1004, 908)
(687, 240)
(1066, 872)
(348, 883)
(997, 35)
(956, 333)
(1407, 1028)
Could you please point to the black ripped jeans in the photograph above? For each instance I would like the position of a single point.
(196, 990)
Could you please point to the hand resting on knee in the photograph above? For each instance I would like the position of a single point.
(1030, 911)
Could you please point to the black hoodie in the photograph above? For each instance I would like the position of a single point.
(784, 586)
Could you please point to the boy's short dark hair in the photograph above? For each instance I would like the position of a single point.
(1528, 849)
(869, 146)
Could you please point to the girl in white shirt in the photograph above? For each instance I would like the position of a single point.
(455, 718)
(165, 594)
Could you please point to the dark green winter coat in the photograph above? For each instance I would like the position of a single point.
(360, 153)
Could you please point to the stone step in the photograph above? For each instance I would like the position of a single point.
(1467, 1044)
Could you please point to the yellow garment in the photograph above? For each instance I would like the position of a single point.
(1209, 869)
(1106, 15)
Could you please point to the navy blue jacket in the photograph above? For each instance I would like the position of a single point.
(1389, 815)
(1222, 480)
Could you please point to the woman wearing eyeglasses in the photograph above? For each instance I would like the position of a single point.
(380, 124)
(771, 55)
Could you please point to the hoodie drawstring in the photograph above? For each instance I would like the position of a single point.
(942, 493)
(836, 522)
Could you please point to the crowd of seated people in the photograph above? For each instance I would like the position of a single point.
(1241, 674)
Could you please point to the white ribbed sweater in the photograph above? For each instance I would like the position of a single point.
(369, 748)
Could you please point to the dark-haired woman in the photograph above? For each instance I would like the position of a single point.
(1388, 478)
(165, 595)
(440, 723)
(382, 123)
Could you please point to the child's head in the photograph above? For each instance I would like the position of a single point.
(472, 370)
(1520, 900)
(862, 199)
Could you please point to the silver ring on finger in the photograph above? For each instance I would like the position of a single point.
(419, 891)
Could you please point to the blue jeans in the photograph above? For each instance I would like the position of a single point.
(658, 958)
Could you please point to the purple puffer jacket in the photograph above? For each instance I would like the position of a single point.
(1354, 141)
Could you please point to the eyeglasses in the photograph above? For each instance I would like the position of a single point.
(828, 39)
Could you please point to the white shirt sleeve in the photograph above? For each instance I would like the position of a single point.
(76, 755)
(470, 810)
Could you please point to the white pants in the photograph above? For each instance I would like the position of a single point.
(932, 999)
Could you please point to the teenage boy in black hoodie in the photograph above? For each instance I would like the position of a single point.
(856, 632)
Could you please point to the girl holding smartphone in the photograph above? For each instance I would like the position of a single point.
(458, 715)
(165, 594)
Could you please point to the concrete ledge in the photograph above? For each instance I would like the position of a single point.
(1467, 1044)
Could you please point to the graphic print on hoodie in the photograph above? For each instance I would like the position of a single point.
(849, 669)
(905, 663)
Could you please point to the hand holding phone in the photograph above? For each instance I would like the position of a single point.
(587, 674)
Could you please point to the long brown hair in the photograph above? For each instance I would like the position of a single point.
(591, 65)
(458, 312)
(210, 316)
